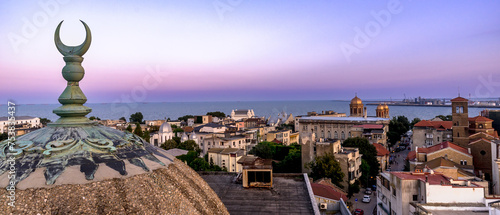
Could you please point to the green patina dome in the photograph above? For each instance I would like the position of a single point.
(77, 166)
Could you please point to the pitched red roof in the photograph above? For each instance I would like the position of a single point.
(411, 155)
(441, 146)
(188, 129)
(479, 119)
(433, 179)
(381, 150)
(439, 125)
(459, 99)
(276, 141)
(327, 192)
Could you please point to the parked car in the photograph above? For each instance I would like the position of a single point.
(368, 191)
(359, 212)
(366, 199)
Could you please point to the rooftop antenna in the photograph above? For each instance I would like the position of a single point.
(458, 91)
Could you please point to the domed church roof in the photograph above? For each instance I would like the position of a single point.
(356, 100)
(78, 166)
(165, 128)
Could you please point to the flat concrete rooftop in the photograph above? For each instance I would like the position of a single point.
(288, 196)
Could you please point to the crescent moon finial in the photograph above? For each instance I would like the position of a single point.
(73, 50)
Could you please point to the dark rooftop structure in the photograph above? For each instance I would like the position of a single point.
(289, 195)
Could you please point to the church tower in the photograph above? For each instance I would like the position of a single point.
(356, 107)
(460, 118)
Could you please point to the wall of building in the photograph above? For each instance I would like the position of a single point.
(443, 194)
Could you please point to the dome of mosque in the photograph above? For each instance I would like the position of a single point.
(77, 166)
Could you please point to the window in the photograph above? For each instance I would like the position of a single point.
(480, 125)
(483, 152)
(329, 134)
(415, 198)
(463, 162)
(342, 135)
(393, 191)
(336, 135)
(349, 134)
(322, 134)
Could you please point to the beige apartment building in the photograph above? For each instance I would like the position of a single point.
(226, 158)
(427, 133)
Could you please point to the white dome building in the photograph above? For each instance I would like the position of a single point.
(184, 137)
(193, 137)
(165, 133)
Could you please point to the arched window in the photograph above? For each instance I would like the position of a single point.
(322, 134)
(342, 135)
(458, 134)
(349, 134)
(329, 135)
(336, 135)
(480, 125)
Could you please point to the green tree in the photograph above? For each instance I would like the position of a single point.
(291, 163)
(264, 150)
(177, 130)
(45, 121)
(445, 118)
(199, 164)
(415, 121)
(146, 136)
(129, 128)
(123, 119)
(138, 130)
(94, 118)
(136, 117)
(189, 157)
(169, 144)
(185, 118)
(217, 114)
(327, 166)
(353, 188)
(369, 153)
(397, 126)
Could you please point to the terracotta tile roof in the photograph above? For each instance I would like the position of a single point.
(479, 119)
(327, 192)
(381, 150)
(443, 145)
(188, 129)
(459, 99)
(433, 179)
(276, 141)
(411, 155)
(439, 125)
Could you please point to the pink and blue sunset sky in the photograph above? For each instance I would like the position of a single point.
(237, 50)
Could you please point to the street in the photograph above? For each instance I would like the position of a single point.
(397, 165)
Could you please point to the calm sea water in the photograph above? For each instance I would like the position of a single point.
(173, 110)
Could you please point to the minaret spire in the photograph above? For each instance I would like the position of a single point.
(72, 112)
